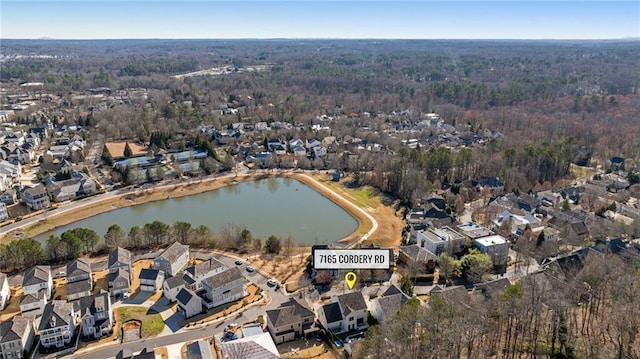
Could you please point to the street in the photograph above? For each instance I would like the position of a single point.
(188, 334)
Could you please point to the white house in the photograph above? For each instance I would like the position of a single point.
(319, 151)
(173, 259)
(437, 240)
(33, 304)
(36, 279)
(36, 198)
(496, 247)
(224, 287)
(57, 325)
(189, 304)
(289, 321)
(151, 280)
(312, 143)
(16, 337)
(203, 270)
(5, 291)
(79, 280)
(97, 316)
(172, 286)
(346, 312)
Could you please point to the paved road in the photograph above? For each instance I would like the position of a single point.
(186, 334)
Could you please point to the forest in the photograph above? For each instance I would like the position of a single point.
(554, 102)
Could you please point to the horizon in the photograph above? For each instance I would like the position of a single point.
(321, 20)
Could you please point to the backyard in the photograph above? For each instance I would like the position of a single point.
(152, 323)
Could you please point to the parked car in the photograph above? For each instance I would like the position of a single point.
(338, 343)
(250, 269)
(271, 282)
(238, 262)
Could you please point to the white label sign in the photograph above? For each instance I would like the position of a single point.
(351, 258)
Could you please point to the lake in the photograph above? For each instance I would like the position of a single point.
(278, 206)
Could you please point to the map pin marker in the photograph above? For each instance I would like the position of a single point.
(350, 278)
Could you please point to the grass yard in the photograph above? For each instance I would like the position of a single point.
(152, 324)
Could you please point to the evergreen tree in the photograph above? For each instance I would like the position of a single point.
(127, 151)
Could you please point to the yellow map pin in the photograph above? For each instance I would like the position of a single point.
(350, 278)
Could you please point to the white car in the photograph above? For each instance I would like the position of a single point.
(271, 282)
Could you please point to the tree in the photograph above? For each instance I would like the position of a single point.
(135, 237)
(155, 233)
(182, 231)
(127, 150)
(406, 286)
(272, 245)
(449, 267)
(115, 237)
(475, 266)
(106, 156)
(88, 237)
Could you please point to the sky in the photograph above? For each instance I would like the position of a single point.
(418, 19)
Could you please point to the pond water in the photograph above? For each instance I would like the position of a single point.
(278, 206)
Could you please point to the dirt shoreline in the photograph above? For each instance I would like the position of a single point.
(187, 189)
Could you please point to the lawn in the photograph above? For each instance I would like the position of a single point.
(152, 324)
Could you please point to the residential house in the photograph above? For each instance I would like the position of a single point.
(36, 198)
(492, 184)
(436, 216)
(97, 316)
(319, 151)
(515, 224)
(493, 289)
(289, 322)
(16, 337)
(9, 197)
(79, 280)
(200, 349)
(36, 279)
(384, 307)
(415, 255)
(224, 287)
(299, 151)
(13, 171)
(120, 271)
(189, 304)
(258, 345)
(453, 295)
(172, 286)
(173, 259)
(5, 291)
(146, 353)
(437, 240)
(4, 214)
(57, 326)
(296, 142)
(33, 304)
(346, 312)
(312, 143)
(203, 270)
(119, 282)
(496, 247)
(473, 230)
(151, 280)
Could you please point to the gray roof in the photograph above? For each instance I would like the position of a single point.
(78, 287)
(332, 312)
(56, 313)
(224, 277)
(247, 349)
(14, 329)
(33, 191)
(200, 349)
(283, 316)
(174, 282)
(391, 304)
(391, 291)
(78, 267)
(121, 273)
(148, 273)
(36, 275)
(119, 255)
(353, 301)
(493, 288)
(185, 295)
(417, 253)
(174, 251)
(204, 267)
(32, 298)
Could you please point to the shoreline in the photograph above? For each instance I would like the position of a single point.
(177, 190)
